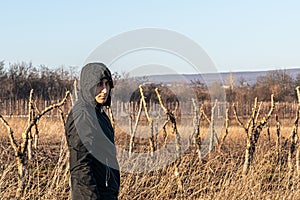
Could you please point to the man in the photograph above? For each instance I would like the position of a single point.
(94, 167)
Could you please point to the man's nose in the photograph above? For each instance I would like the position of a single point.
(105, 89)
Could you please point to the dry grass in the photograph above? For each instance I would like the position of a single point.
(45, 176)
(219, 177)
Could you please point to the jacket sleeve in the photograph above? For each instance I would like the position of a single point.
(82, 180)
(94, 139)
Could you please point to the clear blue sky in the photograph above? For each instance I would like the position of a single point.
(237, 35)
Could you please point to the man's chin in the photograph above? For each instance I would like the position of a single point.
(101, 100)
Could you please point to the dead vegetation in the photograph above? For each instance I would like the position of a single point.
(221, 174)
(219, 177)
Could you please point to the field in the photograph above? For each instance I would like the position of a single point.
(218, 175)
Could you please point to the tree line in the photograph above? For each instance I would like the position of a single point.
(16, 81)
(277, 82)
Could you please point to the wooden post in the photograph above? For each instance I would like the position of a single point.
(253, 130)
(171, 118)
(226, 128)
(212, 128)
(131, 142)
(196, 134)
(278, 141)
(151, 140)
(294, 134)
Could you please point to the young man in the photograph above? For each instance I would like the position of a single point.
(94, 167)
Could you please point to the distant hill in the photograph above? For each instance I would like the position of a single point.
(249, 76)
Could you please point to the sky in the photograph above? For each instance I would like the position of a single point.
(236, 35)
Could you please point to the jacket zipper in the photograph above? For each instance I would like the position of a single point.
(107, 175)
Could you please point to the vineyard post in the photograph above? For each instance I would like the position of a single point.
(298, 145)
(156, 130)
(151, 140)
(171, 118)
(294, 137)
(226, 128)
(130, 113)
(212, 128)
(211, 122)
(75, 91)
(31, 114)
(132, 134)
(196, 134)
(21, 148)
(253, 130)
(278, 142)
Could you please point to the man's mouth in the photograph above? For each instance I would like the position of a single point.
(102, 97)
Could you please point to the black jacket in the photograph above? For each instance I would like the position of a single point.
(93, 164)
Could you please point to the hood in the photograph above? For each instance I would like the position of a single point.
(91, 75)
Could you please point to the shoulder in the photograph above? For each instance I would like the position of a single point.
(82, 114)
(79, 110)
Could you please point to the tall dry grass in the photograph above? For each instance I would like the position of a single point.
(218, 177)
(46, 174)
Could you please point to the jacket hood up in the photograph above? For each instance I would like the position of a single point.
(91, 75)
(91, 123)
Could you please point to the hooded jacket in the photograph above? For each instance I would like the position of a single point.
(94, 167)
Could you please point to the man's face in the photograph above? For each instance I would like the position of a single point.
(102, 91)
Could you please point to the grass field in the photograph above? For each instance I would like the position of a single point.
(219, 176)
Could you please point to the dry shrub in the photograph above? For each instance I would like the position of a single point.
(218, 177)
(47, 175)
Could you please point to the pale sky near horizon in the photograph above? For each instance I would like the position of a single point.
(236, 35)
